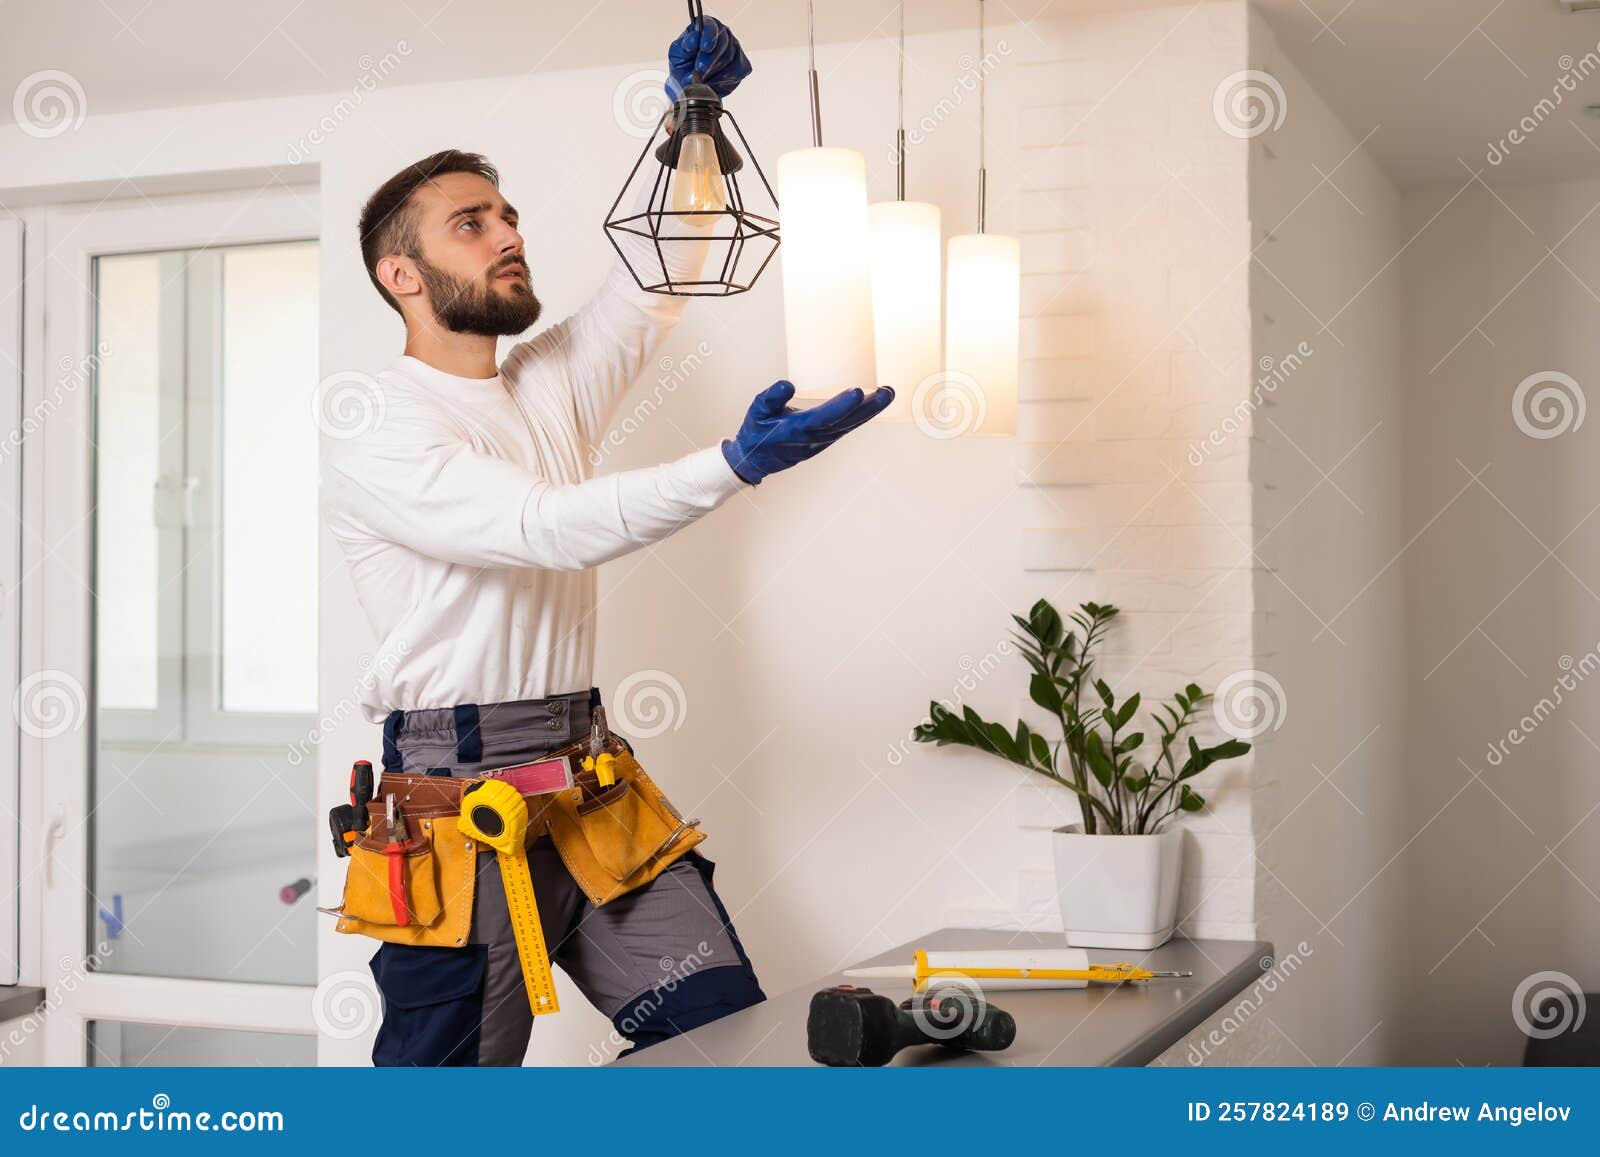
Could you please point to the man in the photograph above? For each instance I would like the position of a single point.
(472, 528)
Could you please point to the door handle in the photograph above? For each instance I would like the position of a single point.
(52, 836)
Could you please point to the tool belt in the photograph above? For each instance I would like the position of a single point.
(612, 839)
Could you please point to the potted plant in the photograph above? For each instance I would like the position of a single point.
(1117, 871)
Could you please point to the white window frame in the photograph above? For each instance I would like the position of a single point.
(12, 255)
(58, 617)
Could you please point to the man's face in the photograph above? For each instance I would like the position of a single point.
(471, 265)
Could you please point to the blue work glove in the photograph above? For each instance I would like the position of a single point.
(714, 51)
(776, 436)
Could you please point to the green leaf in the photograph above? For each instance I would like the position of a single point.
(1136, 783)
(1042, 690)
(1129, 742)
(1001, 739)
(1041, 749)
(1125, 713)
(1094, 749)
(1105, 692)
(1046, 622)
(1194, 691)
(1190, 800)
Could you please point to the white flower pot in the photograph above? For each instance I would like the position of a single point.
(1118, 891)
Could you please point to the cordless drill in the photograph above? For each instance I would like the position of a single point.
(855, 1026)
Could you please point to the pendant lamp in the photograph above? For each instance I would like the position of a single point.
(692, 198)
(983, 300)
(906, 276)
(827, 279)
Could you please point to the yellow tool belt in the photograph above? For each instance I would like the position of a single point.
(611, 839)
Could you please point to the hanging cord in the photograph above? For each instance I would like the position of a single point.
(983, 73)
(697, 17)
(900, 130)
(816, 100)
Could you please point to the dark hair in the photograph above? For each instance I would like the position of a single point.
(388, 224)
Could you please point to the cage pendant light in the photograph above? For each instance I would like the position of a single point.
(983, 308)
(906, 275)
(694, 235)
(827, 286)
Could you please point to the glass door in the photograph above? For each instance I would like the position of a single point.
(169, 644)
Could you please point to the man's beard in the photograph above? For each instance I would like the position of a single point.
(477, 307)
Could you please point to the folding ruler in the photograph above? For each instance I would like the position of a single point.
(495, 813)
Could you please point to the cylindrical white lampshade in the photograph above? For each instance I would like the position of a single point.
(982, 310)
(827, 282)
(906, 252)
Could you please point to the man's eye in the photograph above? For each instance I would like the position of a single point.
(469, 224)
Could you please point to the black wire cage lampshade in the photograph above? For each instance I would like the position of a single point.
(694, 199)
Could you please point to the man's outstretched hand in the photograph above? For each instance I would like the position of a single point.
(776, 436)
(714, 52)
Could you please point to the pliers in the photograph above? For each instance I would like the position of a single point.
(395, 849)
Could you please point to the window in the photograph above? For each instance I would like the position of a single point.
(205, 495)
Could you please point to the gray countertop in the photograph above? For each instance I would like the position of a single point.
(18, 1000)
(1103, 1024)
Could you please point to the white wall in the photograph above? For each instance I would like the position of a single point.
(1326, 303)
(1502, 763)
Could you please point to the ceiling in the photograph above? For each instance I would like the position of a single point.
(1437, 80)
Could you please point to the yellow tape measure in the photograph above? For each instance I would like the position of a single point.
(497, 815)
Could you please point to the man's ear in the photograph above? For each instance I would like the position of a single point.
(398, 275)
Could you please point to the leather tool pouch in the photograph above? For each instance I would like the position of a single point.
(440, 867)
(618, 838)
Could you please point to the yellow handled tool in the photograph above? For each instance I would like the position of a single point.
(599, 760)
(495, 813)
(1014, 968)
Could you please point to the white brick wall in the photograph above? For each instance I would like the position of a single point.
(1136, 343)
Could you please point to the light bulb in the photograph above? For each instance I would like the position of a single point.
(697, 187)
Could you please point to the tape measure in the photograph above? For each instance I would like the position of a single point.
(496, 814)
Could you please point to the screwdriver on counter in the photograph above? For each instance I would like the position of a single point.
(1011, 968)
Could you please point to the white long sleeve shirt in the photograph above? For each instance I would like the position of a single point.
(470, 519)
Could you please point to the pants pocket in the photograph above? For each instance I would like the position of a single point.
(432, 1004)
